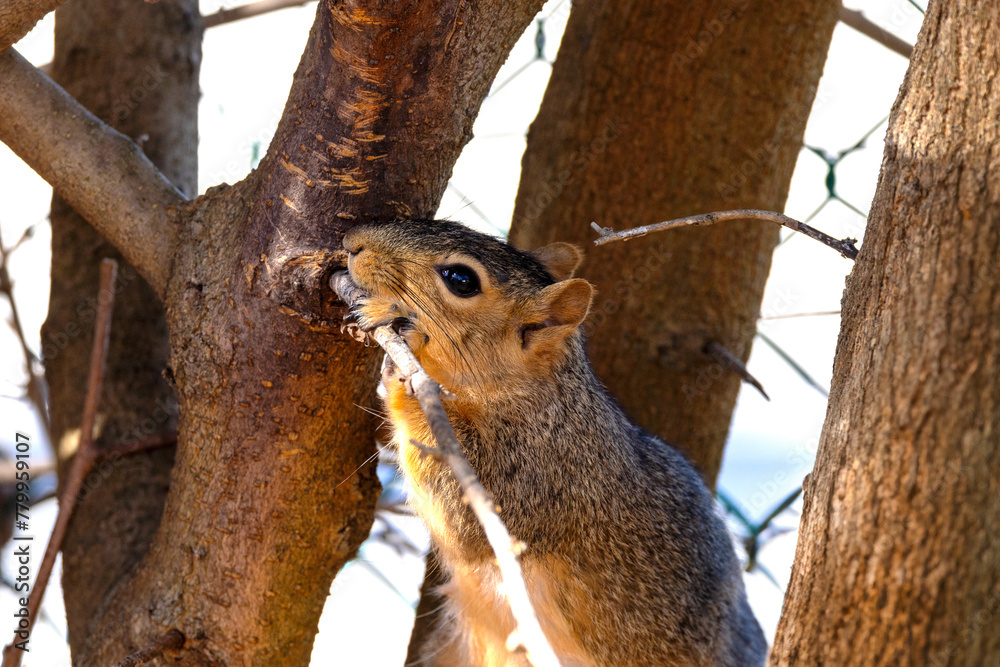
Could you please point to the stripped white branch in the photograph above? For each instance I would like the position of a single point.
(528, 632)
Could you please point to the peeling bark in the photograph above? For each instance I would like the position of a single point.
(898, 562)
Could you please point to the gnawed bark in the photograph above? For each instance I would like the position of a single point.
(266, 501)
(898, 561)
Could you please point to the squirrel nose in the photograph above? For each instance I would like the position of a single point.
(352, 245)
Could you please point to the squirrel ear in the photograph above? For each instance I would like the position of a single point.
(560, 259)
(561, 309)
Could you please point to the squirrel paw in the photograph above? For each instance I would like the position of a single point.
(369, 314)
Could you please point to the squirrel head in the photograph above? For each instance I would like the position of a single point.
(480, 315)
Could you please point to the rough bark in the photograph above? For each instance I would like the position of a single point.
(155, 96)
(658, 110)
(898, 561)
(18, 17)
(257, 520)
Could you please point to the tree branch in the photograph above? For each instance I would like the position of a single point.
(845, 246)
(735, 364)
(527, 631)
(250, 10)
(857, 20)
(84, 459)
(18, 17)
(97, 170)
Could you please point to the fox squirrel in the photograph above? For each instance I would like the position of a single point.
(626, 561)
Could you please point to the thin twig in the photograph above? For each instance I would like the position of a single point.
(171, 641)
(36, 391)
(793, 315)
(226, 16)
(85, 456)
(735, 364)
(527, 632)
(249, 10)
(845, 247)
(857, 20)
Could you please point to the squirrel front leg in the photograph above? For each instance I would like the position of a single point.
(371, 313)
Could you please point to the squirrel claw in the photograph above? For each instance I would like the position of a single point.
(353, 330)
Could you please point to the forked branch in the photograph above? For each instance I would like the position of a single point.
(844, 246)
(428, 392)
(100, 172)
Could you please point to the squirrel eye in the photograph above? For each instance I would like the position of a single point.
(460, 279)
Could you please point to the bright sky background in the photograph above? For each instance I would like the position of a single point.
(771, 444)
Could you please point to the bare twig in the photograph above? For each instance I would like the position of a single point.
(18, 17)
(735, 364)
(85, 456)
(857, 20)
(793, 315)
(170, 641)
(527, 633)
(225, 16)
(36, 391)
(100, 172)
(249, 10)
(845, 247)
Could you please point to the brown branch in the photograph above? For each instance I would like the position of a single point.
(250, 10)
(99, 171)
(527, 631)
(224, 16)
(845, 247)
(735, 364)
(85, 457)
(18, 17)
(857, 20)
(170, 641)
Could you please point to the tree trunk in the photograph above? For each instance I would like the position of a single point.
(658, 110)
(898, 561)
(268, 497)
(155, 96)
